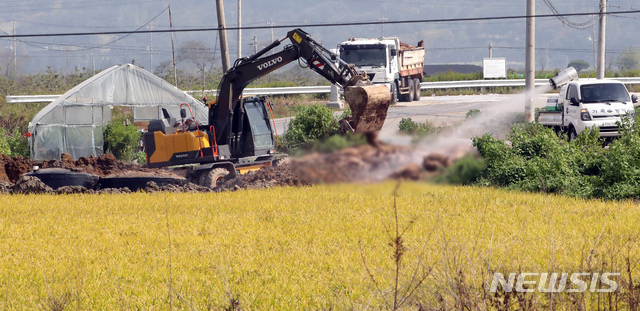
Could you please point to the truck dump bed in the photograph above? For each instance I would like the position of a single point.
(411, 59)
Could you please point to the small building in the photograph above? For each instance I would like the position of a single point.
(74, 122)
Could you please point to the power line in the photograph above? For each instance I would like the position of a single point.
(87, 47)
(581, 26)
(74, 34)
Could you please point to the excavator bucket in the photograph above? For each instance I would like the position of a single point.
(369, 104)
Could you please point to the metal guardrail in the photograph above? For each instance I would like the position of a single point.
(327, 89)
(11, 99)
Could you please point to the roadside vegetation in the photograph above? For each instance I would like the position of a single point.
(535, 159)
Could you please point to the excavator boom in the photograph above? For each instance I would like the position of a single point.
(240, 136)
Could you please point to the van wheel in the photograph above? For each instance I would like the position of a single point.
(572, 133)
(213, 178)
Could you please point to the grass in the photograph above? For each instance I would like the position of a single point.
(303, 248)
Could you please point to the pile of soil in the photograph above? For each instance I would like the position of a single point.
(355, 164)
(278, 175)
(105, 165)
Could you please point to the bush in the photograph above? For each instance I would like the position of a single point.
(13, 144)
(464, 171)
(539, 161)
(473, 113)
(311, 123)
(4, 142)
(409, 126)
(121, 140)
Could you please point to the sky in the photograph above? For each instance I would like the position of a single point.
(446, 42)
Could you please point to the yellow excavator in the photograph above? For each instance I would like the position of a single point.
(240, 135)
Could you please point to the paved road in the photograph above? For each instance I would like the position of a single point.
(441, 110)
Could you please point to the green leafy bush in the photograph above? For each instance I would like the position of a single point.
(411, 127)
(464, 171)
(13, 144)
(121, 140)
(4, 142)
(311, 123)
(473, 113)
(535, 159)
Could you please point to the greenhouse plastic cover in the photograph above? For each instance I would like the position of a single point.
(74, 122)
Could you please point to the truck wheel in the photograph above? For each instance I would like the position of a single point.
(213, 178)
(417, 89)
(394, 94)
(572, 133)
(409, 96)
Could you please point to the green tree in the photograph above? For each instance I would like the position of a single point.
(629, 59)
(579, 65)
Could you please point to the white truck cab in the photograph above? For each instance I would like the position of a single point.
(588, 104)
(388, 61)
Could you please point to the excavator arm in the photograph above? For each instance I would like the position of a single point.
(227, 114)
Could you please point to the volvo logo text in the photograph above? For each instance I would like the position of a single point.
(269, 63)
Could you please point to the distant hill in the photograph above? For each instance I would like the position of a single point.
(430, 70)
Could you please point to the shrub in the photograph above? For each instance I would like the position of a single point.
(473, 113)
(13, 144)
(311, 123)
(4, 142)
(121, 140)
(539, 161)
(464, 171)
(411, 127)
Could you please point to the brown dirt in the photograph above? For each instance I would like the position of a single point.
(30, 185)
(105, 165)
(361, 163)
(273, 176)
(355, 164)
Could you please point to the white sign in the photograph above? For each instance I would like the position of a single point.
(494, 68)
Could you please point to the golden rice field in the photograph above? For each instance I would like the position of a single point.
(312, 248)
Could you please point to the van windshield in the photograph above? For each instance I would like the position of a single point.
(604, 92)
(364, 55)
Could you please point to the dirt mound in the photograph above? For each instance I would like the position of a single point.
(152, 187)
(410, 171)
(5, 187)
(105, 165)
(273, 176)
(361, 163)
(30, 185)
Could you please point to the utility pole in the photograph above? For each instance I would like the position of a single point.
(490, 50)
(151, 49)
(601, 39)
(15, 49)
(530, 61)
(239, 29)
(224, 47)
(255, 44)
(173, 51)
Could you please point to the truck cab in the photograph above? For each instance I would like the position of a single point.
(589, 104)
(377, 57)
(389, 62)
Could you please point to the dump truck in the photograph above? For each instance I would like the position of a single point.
(583, 104)
(390, 62)
(240, 134)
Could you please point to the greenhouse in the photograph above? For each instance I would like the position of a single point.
(74, 122)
